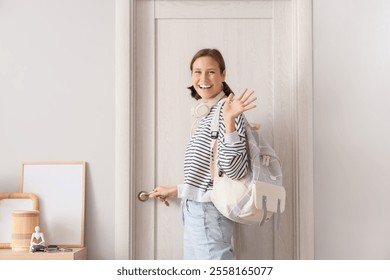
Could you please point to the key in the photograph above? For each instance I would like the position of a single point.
(161, 197)
(164, 200)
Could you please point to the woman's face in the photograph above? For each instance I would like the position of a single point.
(207, 78)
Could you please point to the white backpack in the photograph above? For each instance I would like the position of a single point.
(254, 198)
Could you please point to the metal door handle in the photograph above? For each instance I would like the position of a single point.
(143, 196)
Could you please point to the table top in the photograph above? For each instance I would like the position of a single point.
(76, 254)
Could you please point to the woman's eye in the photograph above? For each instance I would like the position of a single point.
(211, 72)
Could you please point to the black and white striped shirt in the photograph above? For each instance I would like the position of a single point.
(232, 157)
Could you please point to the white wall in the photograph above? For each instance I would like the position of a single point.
(57, 99)
(351, 129)
(57, 103)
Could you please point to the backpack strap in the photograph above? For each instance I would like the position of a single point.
(214, 138)
(215, 121)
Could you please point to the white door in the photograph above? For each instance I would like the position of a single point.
(256, 40)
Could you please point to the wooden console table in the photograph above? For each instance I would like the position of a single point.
(76, 254)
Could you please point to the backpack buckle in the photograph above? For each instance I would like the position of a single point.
(214, 134)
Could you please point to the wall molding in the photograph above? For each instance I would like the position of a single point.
(124, 128)
(303, 119)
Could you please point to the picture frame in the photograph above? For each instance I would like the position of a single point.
(10, 202)
(60, 187)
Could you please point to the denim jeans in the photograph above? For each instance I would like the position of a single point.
(207, 233)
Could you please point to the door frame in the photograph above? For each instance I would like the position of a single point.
(125, 196)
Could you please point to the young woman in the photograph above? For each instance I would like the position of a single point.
(207, 233)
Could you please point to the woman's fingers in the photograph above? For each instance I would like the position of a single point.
(243, 96)
(239, 97)
(153, 193)
(249, 107)
(246, 97)
(230, 97)
(157, 195)
(247, 102)
(243, 102)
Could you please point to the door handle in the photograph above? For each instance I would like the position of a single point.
(144, 196)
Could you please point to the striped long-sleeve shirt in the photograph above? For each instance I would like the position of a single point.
(232, 157)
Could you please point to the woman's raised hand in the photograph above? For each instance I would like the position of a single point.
(234, 107)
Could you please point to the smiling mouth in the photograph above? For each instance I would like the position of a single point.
(205, 86)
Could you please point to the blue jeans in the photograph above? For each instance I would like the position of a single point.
(207, 233)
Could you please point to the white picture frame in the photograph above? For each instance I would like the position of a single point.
(60, 187)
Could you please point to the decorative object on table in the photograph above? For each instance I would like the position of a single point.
(37, 248)
(37, 242)
(52, 248)
(60, 187)
(9, 202)
(23, 224)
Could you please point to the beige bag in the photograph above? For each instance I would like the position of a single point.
(254, 198)
(247, 204)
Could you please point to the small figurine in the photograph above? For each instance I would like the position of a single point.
(37, 242)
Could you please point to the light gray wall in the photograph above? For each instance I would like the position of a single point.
(57, 99)
(351, 129)
(57, 103)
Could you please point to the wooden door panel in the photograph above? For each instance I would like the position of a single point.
(255, 38)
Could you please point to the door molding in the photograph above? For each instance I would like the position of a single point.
(124, 129)
(303, 135)
(125, 198)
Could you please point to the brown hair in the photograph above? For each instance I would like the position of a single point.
(217, 56)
